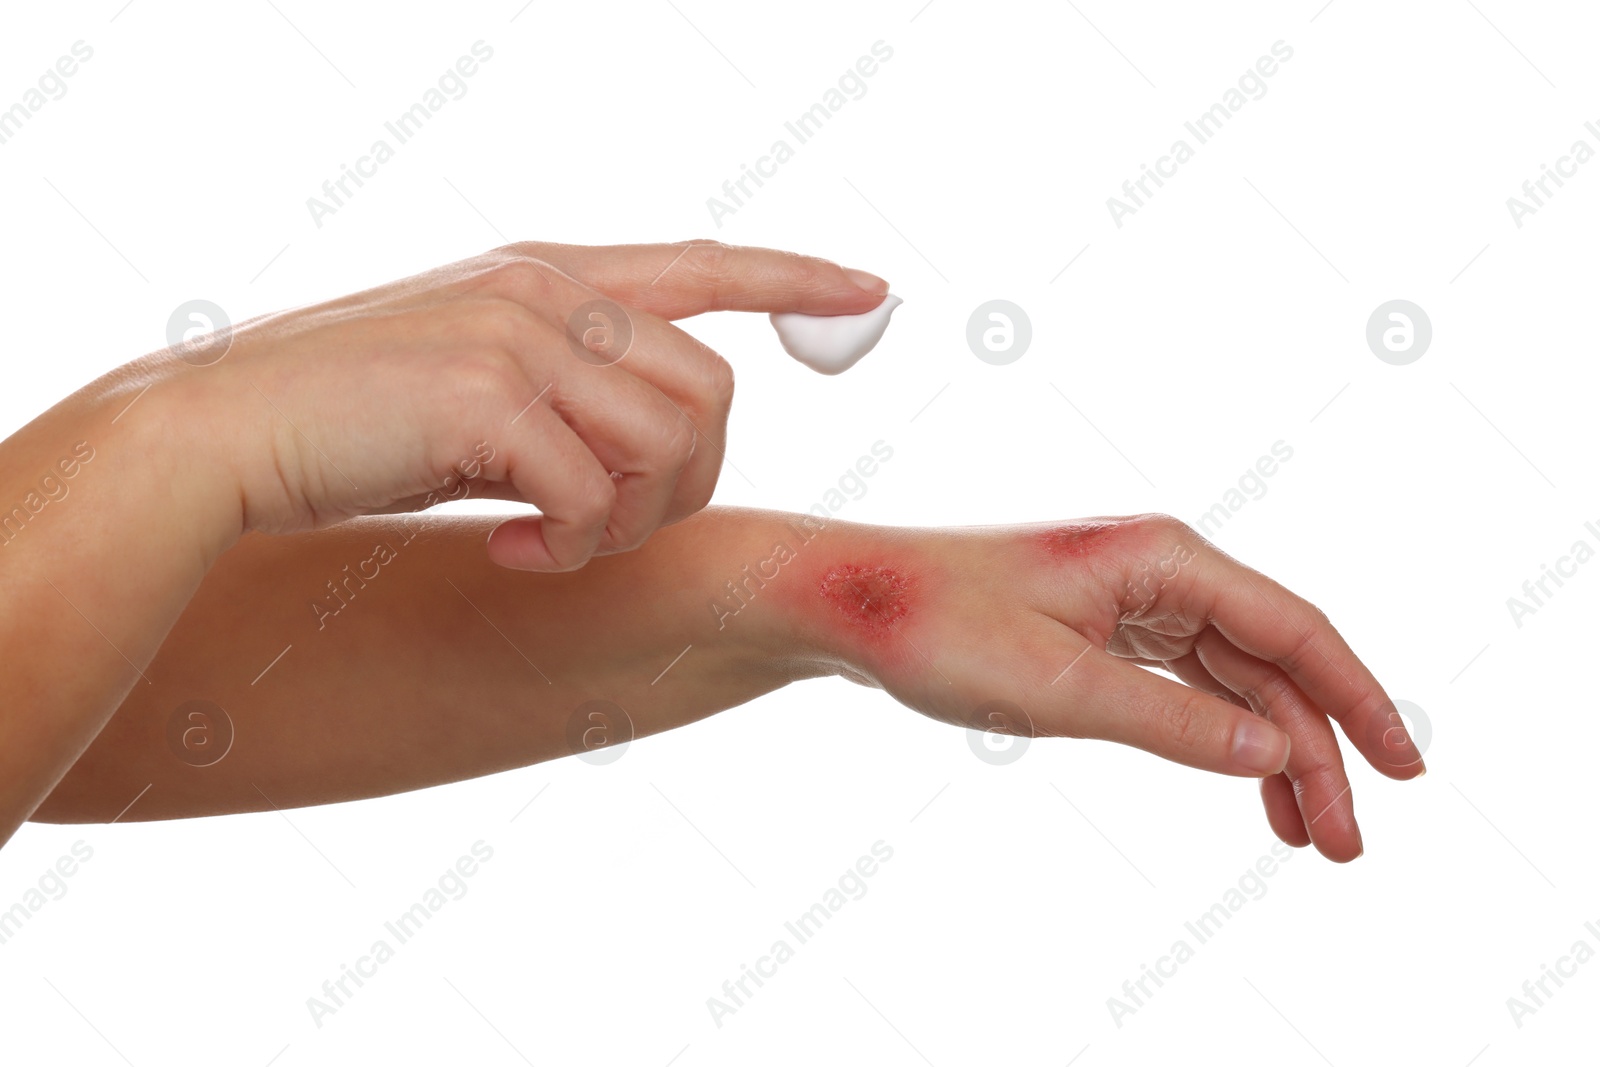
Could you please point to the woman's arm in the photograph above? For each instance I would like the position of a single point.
(105, 533)
(551, 372)
(399, 657)
(387, 653)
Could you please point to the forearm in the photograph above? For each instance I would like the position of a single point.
(104, 536)
(387, 654)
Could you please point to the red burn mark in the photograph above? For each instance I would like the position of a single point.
(1076, 539)
(874, 597)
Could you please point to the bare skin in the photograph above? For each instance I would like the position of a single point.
(115, 503)
(238, 532)
(444, 666)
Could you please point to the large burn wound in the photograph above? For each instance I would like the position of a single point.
(871, 597)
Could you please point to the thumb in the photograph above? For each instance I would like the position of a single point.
(1105, 697)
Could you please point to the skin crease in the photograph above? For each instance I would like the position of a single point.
(421, 680)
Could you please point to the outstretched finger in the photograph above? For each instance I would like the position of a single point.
(1277, 792)
(1268, 622)
(692, 277)
(1316, 769)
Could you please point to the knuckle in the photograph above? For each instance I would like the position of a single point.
(1136, 536)
(800, 270)
(1315, 769)
(1271, 689)
(1303, 653)
(593, 499)
(1160, 522)
(518, 277)
(707, 250)
(708, 258)
(501, 325)
(627, 536)
(482, 373)
(525, 249)
(1163, 541)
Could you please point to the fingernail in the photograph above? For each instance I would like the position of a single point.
(1260, 747)
(867, 283)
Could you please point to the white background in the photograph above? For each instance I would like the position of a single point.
(1227, 314)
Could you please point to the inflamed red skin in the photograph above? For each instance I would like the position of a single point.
(1075, 540)
(873, 603)
(1057, 623)
(871, 597)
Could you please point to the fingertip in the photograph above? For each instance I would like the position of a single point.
(1337, 835)
(519, 544)
(833, 290)
(1399, 772)
(867, 283)
(1259, 748)
(1342, 851)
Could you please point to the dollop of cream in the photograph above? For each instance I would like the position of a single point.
(832, 344)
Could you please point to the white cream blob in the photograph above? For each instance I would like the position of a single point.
(832, 344)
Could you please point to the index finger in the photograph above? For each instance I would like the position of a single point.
(1264, 619)
(688, 278)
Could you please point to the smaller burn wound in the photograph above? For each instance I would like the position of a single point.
(1076, 539)
(870, 596)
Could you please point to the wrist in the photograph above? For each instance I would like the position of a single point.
(169, 444)
(775, 589)
(109, 520)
